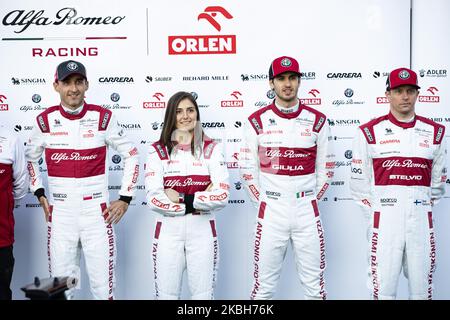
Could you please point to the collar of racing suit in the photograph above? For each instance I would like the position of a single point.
(73, 116)
(404, 125)
(286, 115)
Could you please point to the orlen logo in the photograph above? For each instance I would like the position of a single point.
(157, 103)
(205, 44)
(236, 103)
(3, 106)
(234, 163)
(434, 98)
(382, 100)
(312, 101)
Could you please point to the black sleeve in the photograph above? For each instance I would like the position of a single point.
(126, 199)
(189, 202)
(40, 193)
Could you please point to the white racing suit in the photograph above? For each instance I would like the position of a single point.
(285, 165)
(398, 171)
(186, 241)
(75, 149)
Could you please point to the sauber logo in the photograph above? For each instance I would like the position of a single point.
(205, 44)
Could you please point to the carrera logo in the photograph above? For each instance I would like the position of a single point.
(389, 141)
(205, 44)
(59, 133)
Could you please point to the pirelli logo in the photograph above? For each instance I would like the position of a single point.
(161, 151)
(256, 124)
(105, 120)
(208, 150)
(439, 134)
(319, 124)
(42, 124)
(368, 134)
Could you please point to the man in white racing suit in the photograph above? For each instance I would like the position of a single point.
(285, 165)
(398, 173)
(74, 136)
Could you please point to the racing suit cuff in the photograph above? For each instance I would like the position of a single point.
(189, 202)
(126, 199)
(40, 193)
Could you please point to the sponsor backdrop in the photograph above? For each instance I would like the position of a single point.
(138, 55)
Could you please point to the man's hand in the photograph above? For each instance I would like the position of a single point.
(45, 206)
(210, 186)
(115, 211)
(172, 194)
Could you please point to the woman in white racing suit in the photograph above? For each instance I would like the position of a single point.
(186, 179)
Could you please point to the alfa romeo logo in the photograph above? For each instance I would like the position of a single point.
(286, 62)
(403, 74)
(72, 66)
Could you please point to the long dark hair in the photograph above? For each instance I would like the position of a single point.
(170, 120)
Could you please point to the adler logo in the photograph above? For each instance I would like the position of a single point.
(205, 44)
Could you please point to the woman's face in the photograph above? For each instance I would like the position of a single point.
(186, 115)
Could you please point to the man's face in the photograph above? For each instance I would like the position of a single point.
(286, 87)
(72, 90)
(403, 99)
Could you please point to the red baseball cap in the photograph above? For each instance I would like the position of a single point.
(283, 64)
(401, 77)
